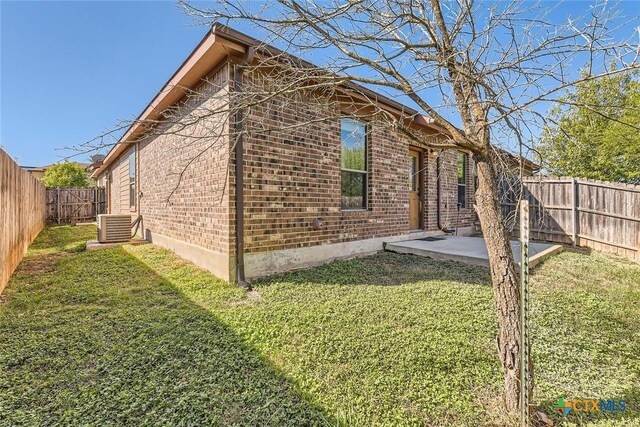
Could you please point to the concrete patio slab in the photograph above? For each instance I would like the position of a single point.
(469, 250)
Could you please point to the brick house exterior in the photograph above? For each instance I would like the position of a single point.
(186, 192)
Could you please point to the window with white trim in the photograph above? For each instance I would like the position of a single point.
(132, 180)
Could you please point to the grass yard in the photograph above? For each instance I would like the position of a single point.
(136, 336)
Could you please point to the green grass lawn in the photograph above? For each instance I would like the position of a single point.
(136, 336)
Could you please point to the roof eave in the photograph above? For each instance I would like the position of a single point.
(211, 50)
(218, 43)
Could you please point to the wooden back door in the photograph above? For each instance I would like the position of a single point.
(414, 190)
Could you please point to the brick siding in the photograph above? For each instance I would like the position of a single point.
(292, 177)
(198, 210)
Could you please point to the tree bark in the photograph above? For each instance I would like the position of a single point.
(506, 287)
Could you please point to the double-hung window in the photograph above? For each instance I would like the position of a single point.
(132, 180)
(462, 180)
(353, 134)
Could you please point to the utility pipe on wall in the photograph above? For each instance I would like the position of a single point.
(239, 171)
(438, 197)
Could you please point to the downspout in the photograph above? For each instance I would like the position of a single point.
(138, 194)
(438, 218)
(239, 172)
(438, 197)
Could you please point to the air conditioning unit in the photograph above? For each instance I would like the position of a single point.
(114, 228)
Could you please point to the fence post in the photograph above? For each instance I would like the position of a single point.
(574, 212)
(95, 202)
(58, 204)
(524, 313)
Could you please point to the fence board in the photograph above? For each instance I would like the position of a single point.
(67, 205)
(22, 214)
(596, 214)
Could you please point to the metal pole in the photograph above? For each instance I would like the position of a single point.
(524, 313)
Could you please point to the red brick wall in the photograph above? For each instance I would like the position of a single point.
(292, 177)
(449, 192)
(198, 210)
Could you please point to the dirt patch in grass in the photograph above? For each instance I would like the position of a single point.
(250, 298)
(42, 264)
(493, 406)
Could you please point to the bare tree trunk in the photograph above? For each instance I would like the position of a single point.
(506, 287)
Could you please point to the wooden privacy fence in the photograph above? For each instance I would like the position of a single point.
(22, 214)
(597, 214)
(67, 205)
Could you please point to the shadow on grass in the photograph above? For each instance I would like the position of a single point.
(101, 338)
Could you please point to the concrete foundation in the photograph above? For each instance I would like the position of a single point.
(262, 264)
(214, 262)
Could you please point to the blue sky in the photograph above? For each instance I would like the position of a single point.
(70, 70)
(73, 69)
